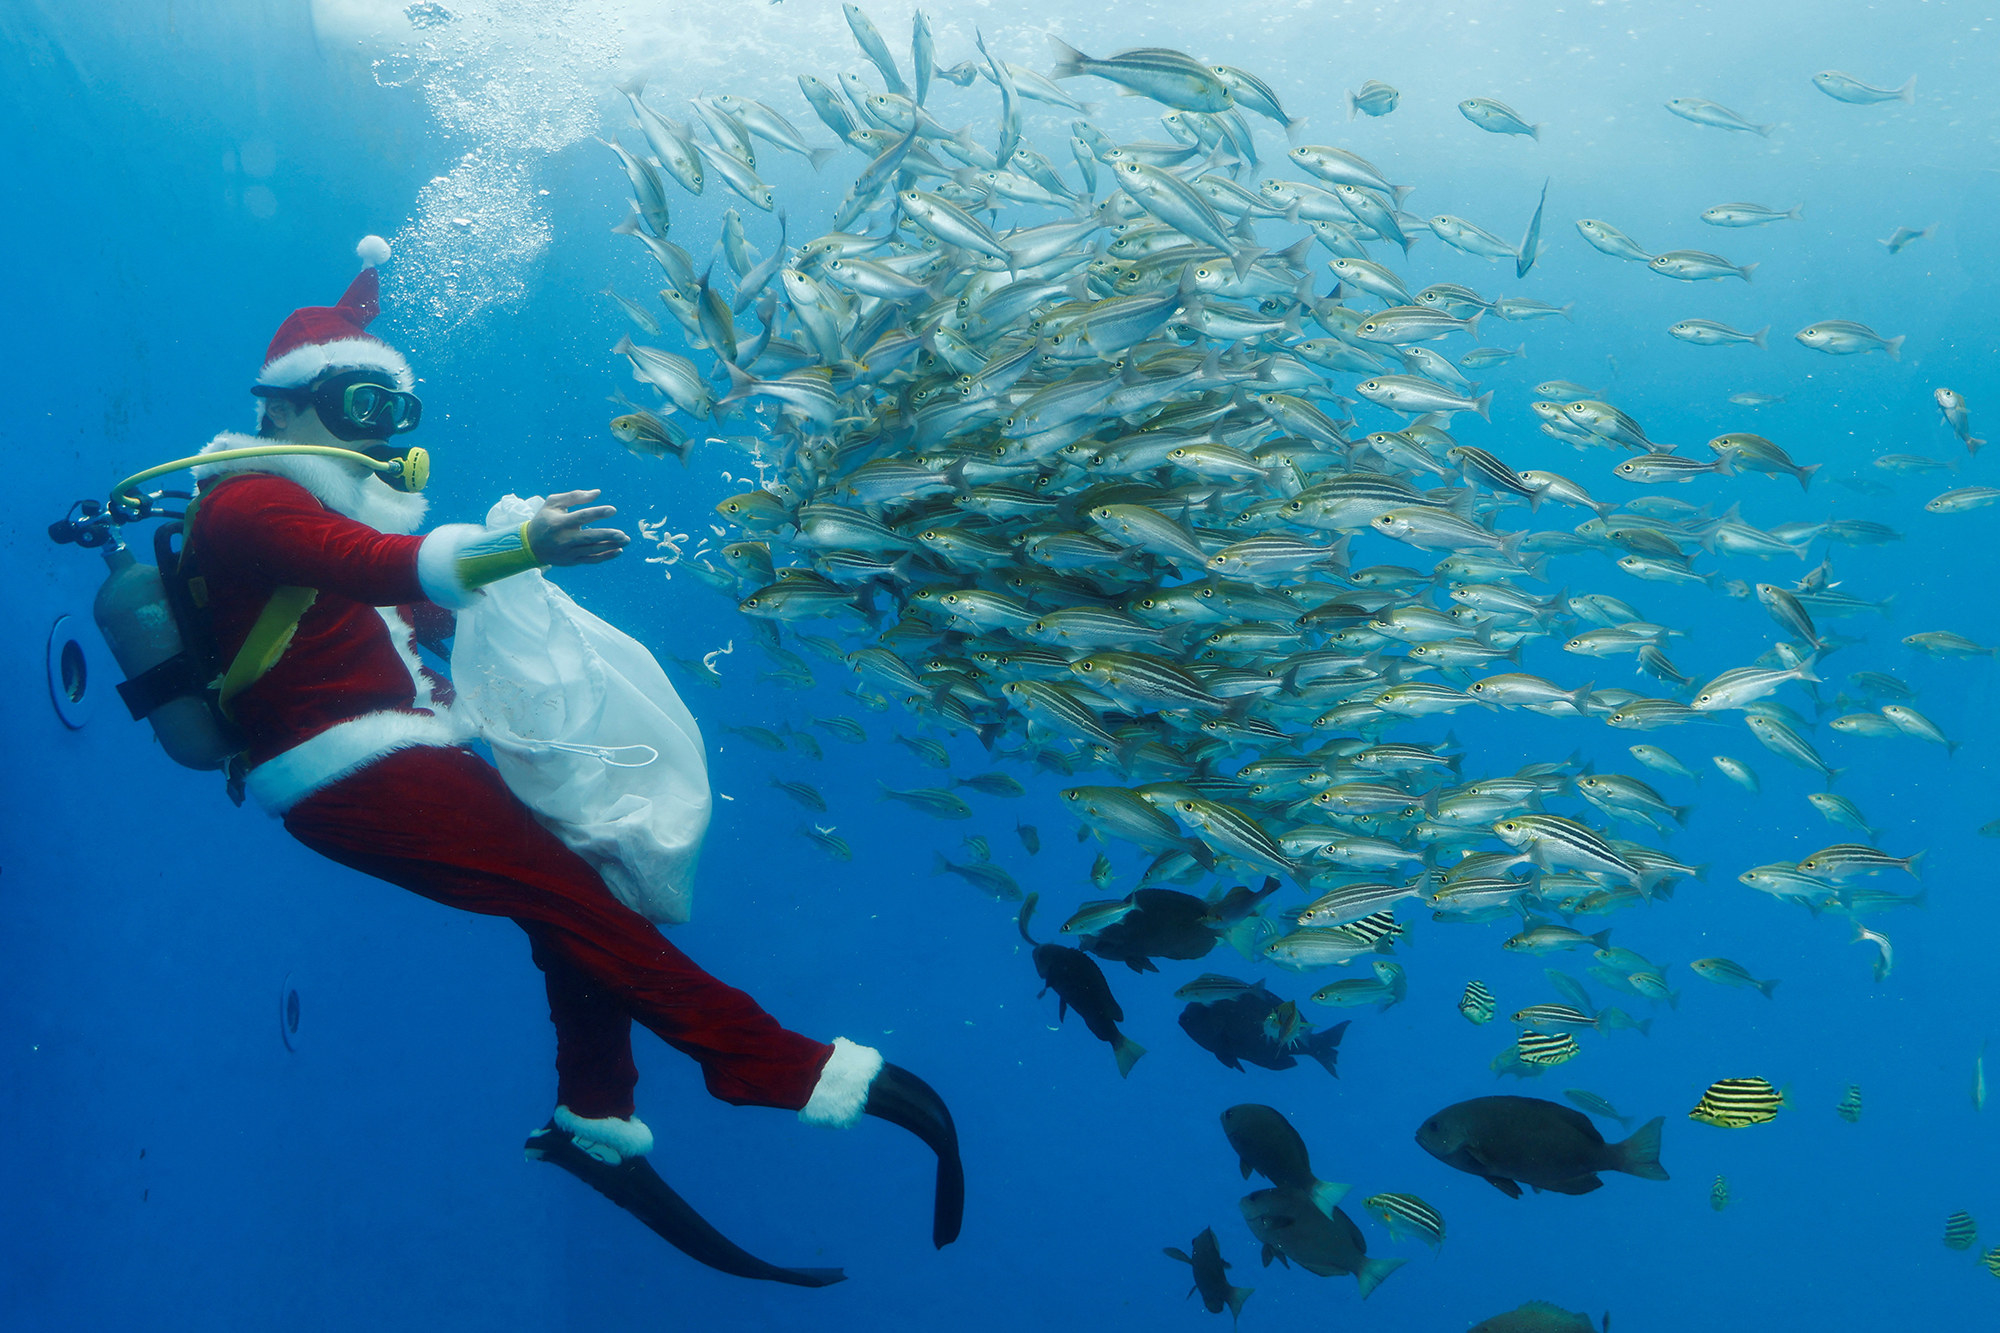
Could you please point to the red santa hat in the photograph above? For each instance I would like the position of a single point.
(317, 340)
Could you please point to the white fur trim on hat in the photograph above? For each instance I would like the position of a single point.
(302, 365)
(373, 251)
(437, 564)
(843, 1085)
(610, 1140)
(281, 782)
(346, 488)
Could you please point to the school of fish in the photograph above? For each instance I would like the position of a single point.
(1135, 462)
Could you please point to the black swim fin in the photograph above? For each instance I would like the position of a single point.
(634, 1186)
(901, 1098)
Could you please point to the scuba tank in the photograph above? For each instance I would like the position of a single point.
(164, 680)
(154, 617)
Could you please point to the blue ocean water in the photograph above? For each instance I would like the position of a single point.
(178, 178)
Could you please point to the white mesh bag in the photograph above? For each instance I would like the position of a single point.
(588, 732)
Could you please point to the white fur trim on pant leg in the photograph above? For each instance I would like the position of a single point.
(437, 564)
(611, 1139)
(843, 1085)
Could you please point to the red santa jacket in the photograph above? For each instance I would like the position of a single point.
(350, 686)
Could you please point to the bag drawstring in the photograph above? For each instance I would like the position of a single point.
(606, 753)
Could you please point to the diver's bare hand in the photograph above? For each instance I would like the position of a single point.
(559, 535)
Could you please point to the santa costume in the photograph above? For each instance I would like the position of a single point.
(352, 743)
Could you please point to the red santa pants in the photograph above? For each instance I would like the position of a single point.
(441, 822)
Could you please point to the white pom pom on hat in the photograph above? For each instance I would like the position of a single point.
(372, 251)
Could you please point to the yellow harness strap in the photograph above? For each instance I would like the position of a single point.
(265, 643)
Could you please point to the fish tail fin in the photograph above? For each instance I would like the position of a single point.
(1894, 347)
(1535, 131)
(741, 381)
(1327, 1194)
(1640, 1155)
(1767, 987)
(1372, 1271)
(1908, 92)
(636, 85)
(1237, 1298)
(1805, 475)
(819, 157)
(1353, 106)
(1126, 1053)
(1602, 939)
(939, 866)
(1764, 131)
(1069, 60)
(1324, 1046)
(1910, 864)
(1747, 270)
(1795, 212)
(1757, 338)
(1483, 404)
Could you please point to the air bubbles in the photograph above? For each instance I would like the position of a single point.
(515, 83)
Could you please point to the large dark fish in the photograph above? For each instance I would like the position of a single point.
(1266, 1143)
(1163, 923)
(1079, 984)
(1237, 1029)
(1211, 1276)
(1515, 1141)
(1293, 1230)
(1539, 1317)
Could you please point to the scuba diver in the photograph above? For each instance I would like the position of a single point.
(311, 561)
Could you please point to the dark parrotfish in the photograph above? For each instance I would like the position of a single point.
(1163, 923)
(1266, 1143)
(1238, 1028)
(1294, 1231)
(1211, 1276)
(1539, 1317)
(1515, 1141)
(1079, 984)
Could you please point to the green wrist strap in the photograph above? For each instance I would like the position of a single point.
(483, 564)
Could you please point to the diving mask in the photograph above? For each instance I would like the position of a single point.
(355, 405)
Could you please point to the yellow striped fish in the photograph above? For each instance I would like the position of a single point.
(1407, 1215)
(1992, 1258)
(1960, 1231)
(1544, 1048)
(1733, 1103)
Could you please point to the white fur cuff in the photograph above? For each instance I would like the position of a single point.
(843, 1085)
(610, 1140)
(285, 779)
(437, 564)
